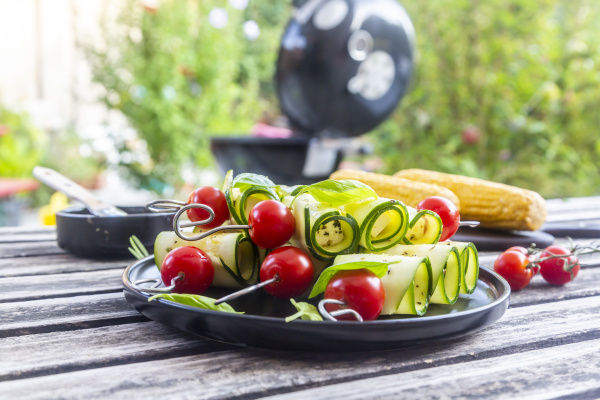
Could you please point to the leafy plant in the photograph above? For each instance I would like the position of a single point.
(21, 144)
(503, 90)
(180, 79)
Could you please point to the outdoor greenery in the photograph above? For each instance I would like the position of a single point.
(503, 89)
(21, 144)
(180, 79)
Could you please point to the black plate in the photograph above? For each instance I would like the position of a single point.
(496, 240)
(263, 324)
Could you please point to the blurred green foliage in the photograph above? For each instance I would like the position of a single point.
(179, 80)
(505, 90)
(21, 144)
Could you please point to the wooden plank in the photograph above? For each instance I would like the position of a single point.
(57, 264)
(63, 314)
(20, 230)
(96, 348)
(530, 375)
(47, 286)
(11, 250)
(252, 373)
(29, 237)
(532, 327)
(573, 203)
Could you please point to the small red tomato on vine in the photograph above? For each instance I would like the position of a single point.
(515, 267)
(558, 265)
(531, 255)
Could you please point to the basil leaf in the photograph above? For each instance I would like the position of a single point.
(242, 181)
(337, 193)
(378, 268)
(195, 300)
(306, 311)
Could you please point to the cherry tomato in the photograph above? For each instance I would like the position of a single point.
(215, 199)
(295, 270)
(532, 257)
(514, 266)
(360, 289)
(195, 265)
(555, 270)
(447, 211)
(271, 224)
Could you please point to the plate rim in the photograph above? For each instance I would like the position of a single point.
(500, 299)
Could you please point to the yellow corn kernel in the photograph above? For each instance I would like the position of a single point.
(407, 191)
(494, 205)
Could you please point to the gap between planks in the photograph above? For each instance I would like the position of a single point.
(534, 331)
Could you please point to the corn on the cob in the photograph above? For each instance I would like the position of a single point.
(407, 191)
(494, 205)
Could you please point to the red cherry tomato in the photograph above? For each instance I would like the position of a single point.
(556, 270)
(295, 270)
(447, 211)
(271, 224)
(360, 289)
(532, 257)
(513, 266)
(194, 264)
(215, 199)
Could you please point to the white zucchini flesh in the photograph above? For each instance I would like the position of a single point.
(322, 230)
(382, 222)
(445, 265)
(424, 227)
(235, 258)
(470, 265)
(407, 283)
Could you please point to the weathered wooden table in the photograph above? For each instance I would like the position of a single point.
(66, 331)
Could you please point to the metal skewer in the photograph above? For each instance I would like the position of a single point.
(471, 224)
(247, 290)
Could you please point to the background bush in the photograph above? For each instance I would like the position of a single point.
(504, 89)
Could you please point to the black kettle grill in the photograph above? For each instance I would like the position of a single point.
(342, 69)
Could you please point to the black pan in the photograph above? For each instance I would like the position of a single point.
(86, 235)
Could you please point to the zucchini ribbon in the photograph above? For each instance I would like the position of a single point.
(235, 257)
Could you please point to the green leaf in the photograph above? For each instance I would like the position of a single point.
(378, 268)
(195, 300)
(306, 311)
(242, 181)
(137, 248)
(337, 193)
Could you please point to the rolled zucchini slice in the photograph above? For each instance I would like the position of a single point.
(445, 265)
(323, 230)
(244, 191)
(407, 284)
(424, 227)
(469, 260)
(234, 256)
(382, 222)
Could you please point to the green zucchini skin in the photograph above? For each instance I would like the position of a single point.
(311, 216)
(367, 213)
(433, 227)
(446, 267)
(407, 284)
(235, 258)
